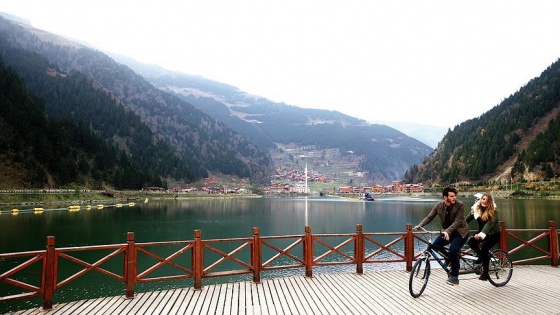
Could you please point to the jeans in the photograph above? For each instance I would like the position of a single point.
(456, 242)
(482, 251)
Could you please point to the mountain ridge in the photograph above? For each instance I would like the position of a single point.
(180, 124)
(517, 140)
(259, 119)
(209, 123)
(209, 126)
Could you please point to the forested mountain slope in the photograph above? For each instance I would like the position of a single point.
(519, 139)
(36, 152)
(150, 124)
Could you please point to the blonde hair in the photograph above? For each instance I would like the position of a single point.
(489, 213)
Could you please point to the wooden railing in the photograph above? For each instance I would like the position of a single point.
(548, 253)
(207, 258)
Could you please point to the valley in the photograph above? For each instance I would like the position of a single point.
(326, 168)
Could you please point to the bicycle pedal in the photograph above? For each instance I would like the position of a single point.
(478, 270)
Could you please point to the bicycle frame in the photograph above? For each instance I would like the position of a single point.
(466, 258)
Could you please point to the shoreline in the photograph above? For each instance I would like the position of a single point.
(35, 200)
(135, 196)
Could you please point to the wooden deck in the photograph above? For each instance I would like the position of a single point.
(532, 290)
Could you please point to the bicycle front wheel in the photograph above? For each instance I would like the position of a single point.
(500, 268)
(419, 277)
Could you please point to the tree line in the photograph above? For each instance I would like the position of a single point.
(58, 151)
(475, 148)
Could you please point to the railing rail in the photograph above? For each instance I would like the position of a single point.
(244, 256)
(34, 290)
(549, 253)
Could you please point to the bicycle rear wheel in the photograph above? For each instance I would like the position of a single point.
(500, 268)
(419, 277)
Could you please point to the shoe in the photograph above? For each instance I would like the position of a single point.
(484, 277)
(453, 281)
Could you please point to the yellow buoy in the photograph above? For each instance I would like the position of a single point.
(119, 205)
(99, 207)
(38, 210)
(15, 211)
(146, 200)
(74, 208)
(131, 204)
(88, 207)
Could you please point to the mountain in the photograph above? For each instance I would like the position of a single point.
(385, 152)
(40, 152)
(517, 140)
(158, 130)
(430, 135)
(207, 127)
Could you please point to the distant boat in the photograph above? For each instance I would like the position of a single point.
(367, 197)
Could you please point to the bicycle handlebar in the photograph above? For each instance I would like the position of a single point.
(427, 231)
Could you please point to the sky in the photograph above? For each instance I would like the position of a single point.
(435, 63)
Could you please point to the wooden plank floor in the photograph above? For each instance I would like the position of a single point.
(532, 290)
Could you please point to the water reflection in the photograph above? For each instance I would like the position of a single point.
(235, 217)
(306, 213)
(532, 214)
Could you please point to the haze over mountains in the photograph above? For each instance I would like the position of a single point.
(430, 135)
(200, 87)
(384, 150)
(226, 132)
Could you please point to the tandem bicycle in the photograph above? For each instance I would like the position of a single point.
(500, 268)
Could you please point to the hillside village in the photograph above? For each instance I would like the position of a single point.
(326, 171)
(293, 186)
(396, 187)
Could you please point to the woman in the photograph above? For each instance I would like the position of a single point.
(488, 234)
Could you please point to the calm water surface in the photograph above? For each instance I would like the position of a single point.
(235, 217)
(170, 220)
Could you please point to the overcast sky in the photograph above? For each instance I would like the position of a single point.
(430, 62)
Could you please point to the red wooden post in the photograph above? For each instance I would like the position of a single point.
(256, 255)
(503, 237)
(130, 265)
(359, 249)
(409, 247)
(308, 251)
(553, 243)
(197, 260)
(49, 274)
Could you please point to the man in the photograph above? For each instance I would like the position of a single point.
(456, 231)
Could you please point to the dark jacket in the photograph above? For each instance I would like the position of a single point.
(457, 214)
(489, 227)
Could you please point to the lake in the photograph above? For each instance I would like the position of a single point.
(218, 218)
(166, 220)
